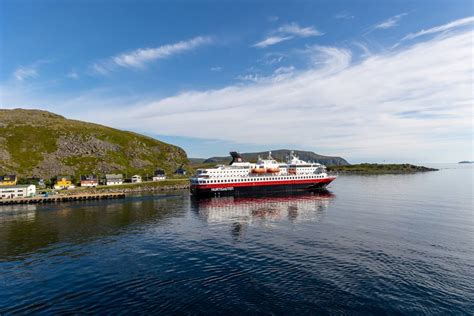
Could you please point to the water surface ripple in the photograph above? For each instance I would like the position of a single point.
(396, 244)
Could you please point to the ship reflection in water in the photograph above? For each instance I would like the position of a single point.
(243, 211)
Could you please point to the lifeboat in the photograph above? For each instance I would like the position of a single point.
(258, 170)
(273, 170)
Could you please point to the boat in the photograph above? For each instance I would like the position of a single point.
(241, 178)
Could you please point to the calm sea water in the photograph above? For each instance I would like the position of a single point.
(373, 245)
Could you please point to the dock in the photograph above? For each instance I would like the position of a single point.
(62, 198)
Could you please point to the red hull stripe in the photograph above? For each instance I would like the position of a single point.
(262, 183)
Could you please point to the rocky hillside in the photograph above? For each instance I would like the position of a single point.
(36, 143)
(281, 155)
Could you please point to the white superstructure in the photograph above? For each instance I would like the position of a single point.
(242, 177)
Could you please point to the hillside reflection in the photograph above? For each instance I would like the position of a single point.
(240, 211)
(27, 228)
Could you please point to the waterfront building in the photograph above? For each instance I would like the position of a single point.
(63, 182)
(136, 179)
(8, 180)
(113, 179)
(159, 175)
(89, 181)
(17, 191)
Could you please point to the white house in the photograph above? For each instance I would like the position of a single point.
(159, 175)
(113, 179)
(136, 179)
(17, 191)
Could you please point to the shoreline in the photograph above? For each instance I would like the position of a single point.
(165, 185)
(379, 169)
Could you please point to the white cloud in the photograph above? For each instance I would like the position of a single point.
(273, 58)
(25, 72)
(296, 30)
(140, 57)
(272, 40)
(273, 18)
(278, 74)
(344, 16)
(216, 69)
(441, 28)
(391, 22)
(414, 103)
(390, 105)
(287, 32)
(73, 75)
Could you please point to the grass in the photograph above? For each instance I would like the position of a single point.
(26, 144)
(367, 168)
(29, 134)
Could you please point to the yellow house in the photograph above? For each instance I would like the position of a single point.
(63, 183)
(8, 180)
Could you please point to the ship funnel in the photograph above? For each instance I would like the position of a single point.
(236, 157)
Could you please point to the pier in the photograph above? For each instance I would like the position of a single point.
(62, 198)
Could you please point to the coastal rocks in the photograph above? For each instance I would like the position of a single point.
(73, 145)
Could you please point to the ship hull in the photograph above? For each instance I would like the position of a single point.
(258, 189)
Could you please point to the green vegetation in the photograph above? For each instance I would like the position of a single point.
(40, 144)
(26, 144)
(373, 168)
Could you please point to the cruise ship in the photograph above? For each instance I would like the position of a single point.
(241, 178)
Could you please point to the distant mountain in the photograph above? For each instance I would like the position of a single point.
(466, 161)
(36, 143)
(281, 155)
(196, 160)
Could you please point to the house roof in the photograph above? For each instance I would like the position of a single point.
(114, 176)
(7, 177)
(63, 177)
(20, 186)
(159, 172)
(89, 177)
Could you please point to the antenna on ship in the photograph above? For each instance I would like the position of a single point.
(270, 155)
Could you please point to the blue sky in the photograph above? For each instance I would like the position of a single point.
(367, 80)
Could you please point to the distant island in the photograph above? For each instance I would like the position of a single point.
(466, 161)
(373, 168)
(333, 164)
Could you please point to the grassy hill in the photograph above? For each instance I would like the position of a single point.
(281, 155)
(36, 143)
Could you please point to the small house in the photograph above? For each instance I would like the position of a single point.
(180, 171)
(63, 182)
(41, 183)
(89, 181)
(113, 179)
(17, 191)
(8, 179)
(159, 175)
(136, 179)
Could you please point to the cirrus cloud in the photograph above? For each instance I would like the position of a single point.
(287, 32)
(138, 58)
(387, 105)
